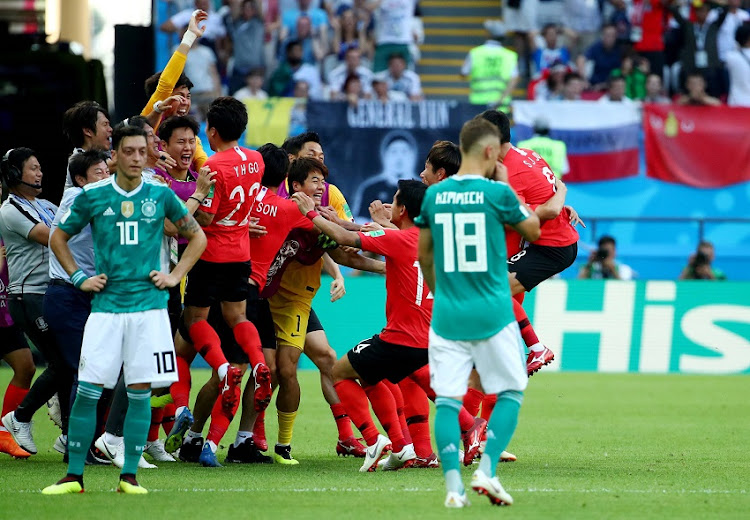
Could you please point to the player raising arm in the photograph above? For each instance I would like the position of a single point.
(128, 328)
(462, 254)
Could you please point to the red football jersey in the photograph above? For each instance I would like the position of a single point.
(279, 216)
(239, 172)
(408, 304)
(531, 177)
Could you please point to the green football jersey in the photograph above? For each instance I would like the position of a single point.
(128, 228)
(466, 215)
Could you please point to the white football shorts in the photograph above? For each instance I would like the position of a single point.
(139, 343)
(500, 361)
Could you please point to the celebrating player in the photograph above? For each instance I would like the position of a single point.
(128, 328)
(462, 254)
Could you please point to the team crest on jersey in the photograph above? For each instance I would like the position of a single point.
(127, 209)
(148, 208)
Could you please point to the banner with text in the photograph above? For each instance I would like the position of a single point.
(601, 138)
(705, 147)
(372, 145)
(597, 326)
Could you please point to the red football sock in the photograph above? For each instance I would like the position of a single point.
(384, 407)
(207, 344)
(417, 412)
(527, 331)
(343, 423)
(399, 398)
(354, 399)
(259, 428)
(519, 297)
(157, 414)
(422, 378)
(472, 401)
(168, 421)
(13, 397)
(180, 390)
(465, 420)
(249, 341)
(488, 404)
(221, 417)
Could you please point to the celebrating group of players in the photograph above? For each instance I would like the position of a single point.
(251, 231)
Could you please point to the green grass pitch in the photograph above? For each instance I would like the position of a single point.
(589, 446)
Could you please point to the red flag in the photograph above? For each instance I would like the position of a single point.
(704, 147)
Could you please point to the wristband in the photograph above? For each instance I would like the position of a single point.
(157, 107)
(312, 214)
(78, 278)
(199, 201)
(189, 38)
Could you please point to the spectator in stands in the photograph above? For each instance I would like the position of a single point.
(696, 94)
(352, 66)
(700, 264)
(382, 93)
(247, 31)
(201, 67)
(293, 70)
(401, 79)
(603, 264)
(548, 52)
(289, 17)
(349, 34)
(700, 51)
(655, 90)
(615, 12)
(521, 19)
(616, 91)
(554, 151)
(738, 65)
(253, 88)
(573, 86)
(394, 21)
(604, 57)
(314, 41)
(734, 18)
(585, 20)
(492, 70)
(635, 70)
(550, 88)
(272, 22)
(352, 90)
(215, 30)
(648, 26)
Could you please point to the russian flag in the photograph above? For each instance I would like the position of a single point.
(602, 138)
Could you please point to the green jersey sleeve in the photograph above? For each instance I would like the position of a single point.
(507, 205)
(77, 216)
(174, 208)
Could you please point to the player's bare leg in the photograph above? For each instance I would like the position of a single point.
(323, 356)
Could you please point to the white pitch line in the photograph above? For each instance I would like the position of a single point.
(602, 491)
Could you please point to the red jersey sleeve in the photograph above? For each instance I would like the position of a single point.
(386, 242)
(297, 219)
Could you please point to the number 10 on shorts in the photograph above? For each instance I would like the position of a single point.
(164, 362)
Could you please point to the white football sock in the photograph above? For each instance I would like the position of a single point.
(242, 437)
(222, 370)
(537, 347)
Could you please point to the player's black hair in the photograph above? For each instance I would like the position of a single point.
(742, 35)
(446, 155)
(11, 167)
(80, 116)
(228, 116)
(152, 82)
(410, 195)
(607, 239)
(123, 131)
(277, 164)
(301, 168)
(167, 128)
(81, 162)
(501, 121)
(293, 145)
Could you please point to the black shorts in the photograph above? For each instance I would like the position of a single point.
(256, 311)
(374, 360)
(210, 282)
(536, 263)
(12, 340)
(313, 322)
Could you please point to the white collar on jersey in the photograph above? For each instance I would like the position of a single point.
(123, 192)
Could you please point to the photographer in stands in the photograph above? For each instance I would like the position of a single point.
(699, 264)
(602, 263)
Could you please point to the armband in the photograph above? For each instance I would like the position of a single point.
(78, 278)
(312, 214)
